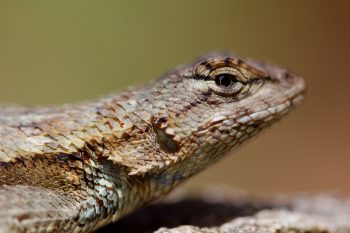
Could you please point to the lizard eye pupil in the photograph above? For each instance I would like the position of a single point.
(225, 80)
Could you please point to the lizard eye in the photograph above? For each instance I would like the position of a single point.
(227, 83)
(225, 80)
(225, 77)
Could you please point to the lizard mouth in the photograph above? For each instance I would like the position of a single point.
(259, 118)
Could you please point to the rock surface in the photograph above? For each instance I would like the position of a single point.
(228, 211)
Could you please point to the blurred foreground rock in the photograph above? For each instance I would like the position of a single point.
(219, 210)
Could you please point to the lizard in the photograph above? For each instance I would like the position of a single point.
(78, 167)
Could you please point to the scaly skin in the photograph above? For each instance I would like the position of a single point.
(78, 167)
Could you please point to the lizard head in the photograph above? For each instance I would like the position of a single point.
(201, 111)
(207, 108)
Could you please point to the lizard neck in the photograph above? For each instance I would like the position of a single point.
(112, 193)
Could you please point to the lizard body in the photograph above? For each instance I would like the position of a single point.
(78, 167)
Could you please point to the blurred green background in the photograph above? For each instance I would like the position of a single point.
(65, 51)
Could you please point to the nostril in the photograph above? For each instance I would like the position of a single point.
(288, 77)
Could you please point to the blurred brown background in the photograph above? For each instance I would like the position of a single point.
(64, 51)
